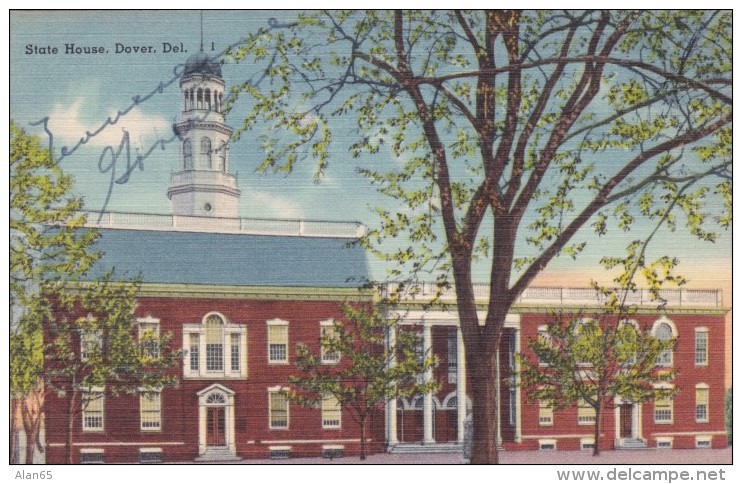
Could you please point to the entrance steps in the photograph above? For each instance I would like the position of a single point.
(216, 454)
(631, 444)
(420, 448)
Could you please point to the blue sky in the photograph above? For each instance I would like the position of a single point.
(78, 92)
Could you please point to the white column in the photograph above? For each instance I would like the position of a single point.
(428, 437)
(497, 396)
(229, 423)
(460, 386)
(201, 428)
(518, 413)
(391, 404)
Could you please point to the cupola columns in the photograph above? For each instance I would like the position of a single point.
(202, 184)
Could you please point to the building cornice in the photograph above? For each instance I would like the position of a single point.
(276, 293)
(546, 309)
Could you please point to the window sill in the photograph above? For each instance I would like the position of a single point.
(278, 362)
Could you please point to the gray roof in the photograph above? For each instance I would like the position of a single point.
(230, 259)
(200, 63)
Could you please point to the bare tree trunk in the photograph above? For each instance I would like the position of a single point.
(485, 411)
(70, 424)
(31, 411)
(363, 437)
(598, 426)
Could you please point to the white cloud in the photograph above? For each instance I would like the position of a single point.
(269, 205)
(68, 125)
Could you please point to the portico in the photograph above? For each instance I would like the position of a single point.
(435, 325)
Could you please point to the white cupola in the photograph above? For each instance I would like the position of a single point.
(202, 184)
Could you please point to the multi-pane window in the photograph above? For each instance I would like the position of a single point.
(663, 410)
(663, 332)
(234, 352)
(91, 343)
(543, 335)
(278, 409)
(330, 412)
(452, 354)
(585, 413)
(278, 341)
(149, 335)
(328, 332)
(545, 413)
(216, 348)
(214, 343)
(150, 410)
(513, 407)
(702, 404)
(702, 347)
(511, 350)
(92, 410)
(194, 346)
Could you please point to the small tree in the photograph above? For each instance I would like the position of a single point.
(593, 360)
(375, 362)
(101, 352)
(46, 244)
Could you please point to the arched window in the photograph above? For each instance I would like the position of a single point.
(222, 158)
(200, 98)
(191, 103)
(214, 343)
(205, 152)
(663, 331)
(216, 399)
(217, 101)
(185, 101)
(215, 348)
(207, 99)
(187, 155)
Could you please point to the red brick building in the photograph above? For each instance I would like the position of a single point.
(694, 418)
(238, 294)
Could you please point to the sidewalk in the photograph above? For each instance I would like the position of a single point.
(649, 456)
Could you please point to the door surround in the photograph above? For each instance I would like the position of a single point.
(220, 396)
(636, 419)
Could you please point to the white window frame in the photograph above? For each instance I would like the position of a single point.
(228, 329)
(543, 332)
(705, 388)
(274, 323)
(99, 452)
(587, 443)
(705, 360)
(90, 340)
(143, 393)
(704, 441)
(664, 442)
(452, 354)
(145, 323)
(331, 412)
(585, 419)
(86, 411)
(278, 390)
(547, 442)
(328, 357)
(673, 334)
(545, 414)
(663, 420)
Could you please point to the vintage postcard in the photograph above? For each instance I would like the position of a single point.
(385, 237)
